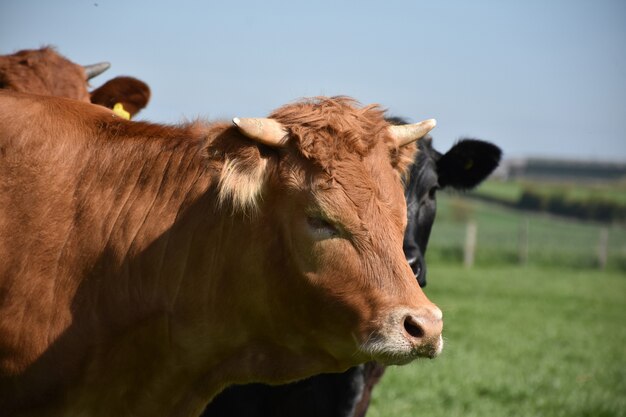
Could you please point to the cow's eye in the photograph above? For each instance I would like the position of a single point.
(321, 228)
(430, 197)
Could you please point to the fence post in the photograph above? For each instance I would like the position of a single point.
(470, 244)
(523, 241)
(603, 247)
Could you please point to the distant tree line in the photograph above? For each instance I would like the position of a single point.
(591, 209)
(596, 209)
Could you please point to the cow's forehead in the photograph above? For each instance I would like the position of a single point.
(329, 129)
(360, 190)
(42, 60)
(43, 71)
(348, 151)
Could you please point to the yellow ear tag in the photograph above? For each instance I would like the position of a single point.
(119, 110)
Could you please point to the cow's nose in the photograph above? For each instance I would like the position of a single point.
(423, 329)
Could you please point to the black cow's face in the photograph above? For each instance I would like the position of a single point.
(463, 167)
(421, 200)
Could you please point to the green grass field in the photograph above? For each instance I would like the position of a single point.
(519, 342)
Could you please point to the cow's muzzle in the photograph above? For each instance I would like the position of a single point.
(407, 334)
(423, 330)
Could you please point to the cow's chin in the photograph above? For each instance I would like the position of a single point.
(400, 350)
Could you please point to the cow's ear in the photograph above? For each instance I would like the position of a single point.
(467, 164)
(132, 94)
(244, 172)
(402, 159)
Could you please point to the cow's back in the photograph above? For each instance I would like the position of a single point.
(40, 154)
(76, 187)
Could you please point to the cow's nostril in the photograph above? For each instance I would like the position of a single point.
(413, 328)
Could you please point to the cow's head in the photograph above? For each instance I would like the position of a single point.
(462, 168)
(46, 72)
(333, 194)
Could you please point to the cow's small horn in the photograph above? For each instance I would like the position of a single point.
(95, 69)
(405, 134)
(267, 131)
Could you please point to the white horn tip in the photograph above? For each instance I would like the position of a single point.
(431, 123)
(267, 131)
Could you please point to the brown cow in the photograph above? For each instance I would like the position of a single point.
(45, 72)
(145, 267)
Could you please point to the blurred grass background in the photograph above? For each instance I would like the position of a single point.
(551, 241)
(511, 191)
(543, 337)
(533, 341)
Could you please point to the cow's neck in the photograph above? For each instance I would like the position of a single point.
(129, 224)
(247, 338)
(147, 304)
(154, 292)
(140, 222)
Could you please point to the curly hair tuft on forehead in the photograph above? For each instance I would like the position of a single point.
(329, 128)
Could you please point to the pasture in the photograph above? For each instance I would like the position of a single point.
(596, 201)
(511, 237)
(519, 342)
(511, 191)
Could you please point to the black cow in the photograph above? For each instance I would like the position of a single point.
(347, 394)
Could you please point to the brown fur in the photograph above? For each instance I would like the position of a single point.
(341, 127)
(323, 130)
(127, 289)
(46, 72)
(132, 93)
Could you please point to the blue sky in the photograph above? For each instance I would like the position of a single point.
(536, 77)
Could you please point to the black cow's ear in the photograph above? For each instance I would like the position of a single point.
(467, 164)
